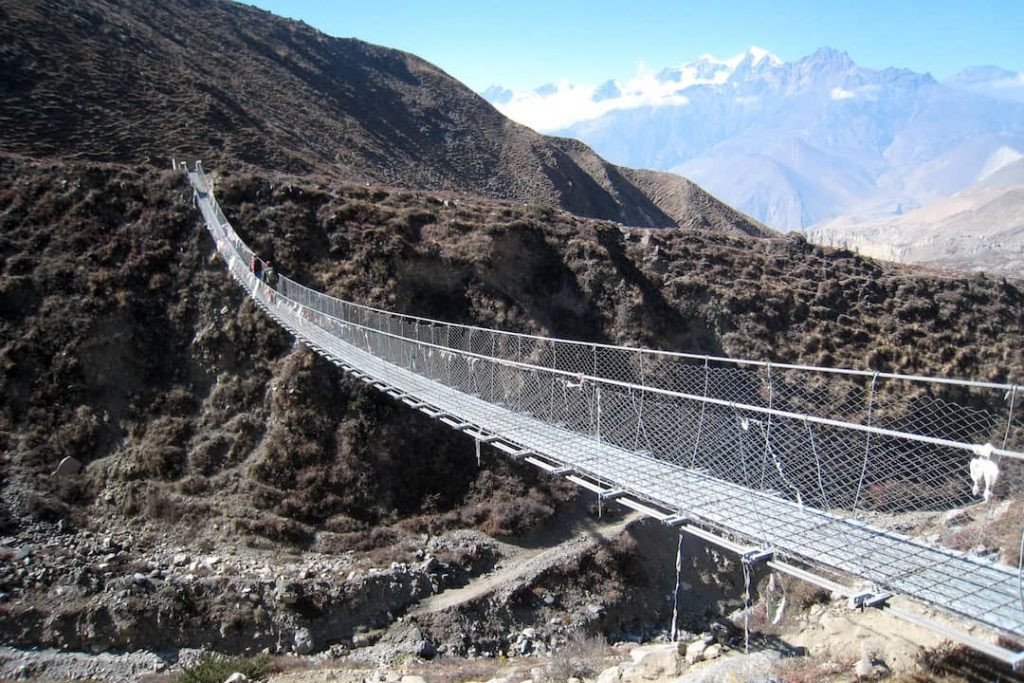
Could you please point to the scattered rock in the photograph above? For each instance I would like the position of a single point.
(403, 639)
(237, 677)
(200, 569)
(956, 517)
(656, 661)
(1002, 509)
(303, 642)
(984, 551)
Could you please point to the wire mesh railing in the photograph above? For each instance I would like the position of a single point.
(838, 440)
(782, 455)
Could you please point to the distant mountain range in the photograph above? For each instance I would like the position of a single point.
(796, 144)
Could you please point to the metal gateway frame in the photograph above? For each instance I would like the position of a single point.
(798, 466)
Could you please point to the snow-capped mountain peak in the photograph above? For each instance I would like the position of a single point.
(797, 144)
(710, 70)
(759, 55)
(753, 60)
(552, 106)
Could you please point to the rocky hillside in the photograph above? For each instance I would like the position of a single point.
(124, 345)
(693, 207)
(237, 86)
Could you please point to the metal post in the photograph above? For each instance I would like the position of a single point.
(675, 595)
(703, 407)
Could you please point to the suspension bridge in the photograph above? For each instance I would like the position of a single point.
(805, 469)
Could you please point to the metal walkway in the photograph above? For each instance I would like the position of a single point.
(731, 461)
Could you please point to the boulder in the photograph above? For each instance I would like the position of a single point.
(757, 667)
(695, 651)
(864, 668)
(303, 641)
(68, 467)
(612, 675)
(657, 661)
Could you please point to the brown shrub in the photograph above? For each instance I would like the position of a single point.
(45, 506)
(161, 507)
(194, 484)
(278, 529)
(582, 657)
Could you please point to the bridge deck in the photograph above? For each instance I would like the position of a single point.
(972, 587)
(979, 590)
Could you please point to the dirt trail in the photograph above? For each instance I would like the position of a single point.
(528, 561)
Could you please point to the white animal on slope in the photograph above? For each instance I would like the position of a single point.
(983, 469)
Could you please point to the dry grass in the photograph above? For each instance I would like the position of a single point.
(822, 668)
(957, 664)
(453, 670)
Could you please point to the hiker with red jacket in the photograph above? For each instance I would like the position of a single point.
(256, 266)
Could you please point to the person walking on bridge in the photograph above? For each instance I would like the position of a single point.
(270, 277)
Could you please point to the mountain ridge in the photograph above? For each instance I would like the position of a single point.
(243, 88)
(797, 144)
(979, 228)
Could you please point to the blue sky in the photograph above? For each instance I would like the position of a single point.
(524, 43)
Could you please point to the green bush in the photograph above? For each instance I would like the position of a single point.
(217, 669)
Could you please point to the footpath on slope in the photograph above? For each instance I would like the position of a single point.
(525, 563)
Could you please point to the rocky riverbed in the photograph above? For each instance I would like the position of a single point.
(118, 606)
(66, 594)
(88, 592)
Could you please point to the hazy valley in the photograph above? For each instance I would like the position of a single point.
(820, 144)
